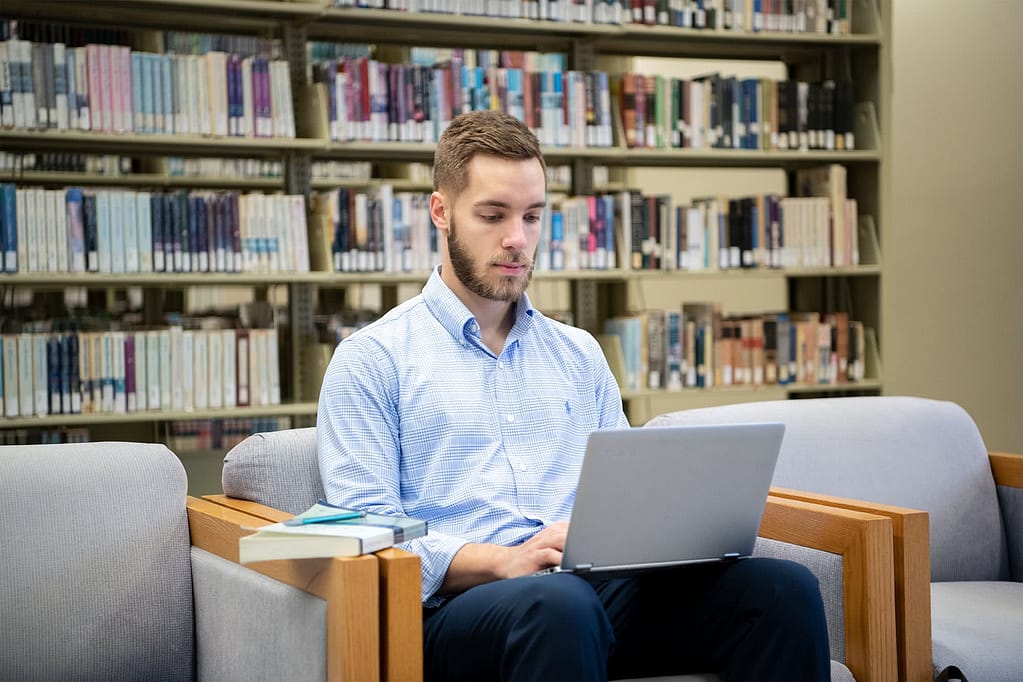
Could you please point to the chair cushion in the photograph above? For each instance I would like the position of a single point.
(95, 563)
(978, 627)
(911, 452)
(278, 469)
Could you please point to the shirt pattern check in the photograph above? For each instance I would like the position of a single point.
(417, 416)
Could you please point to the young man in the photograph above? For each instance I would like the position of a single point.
(467, 407)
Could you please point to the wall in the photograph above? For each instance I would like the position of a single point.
(953, 283)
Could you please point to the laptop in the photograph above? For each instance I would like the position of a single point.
(659, 497)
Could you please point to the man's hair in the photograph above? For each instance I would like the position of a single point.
(480, 132)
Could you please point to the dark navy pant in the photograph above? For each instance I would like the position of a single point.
(755, 619)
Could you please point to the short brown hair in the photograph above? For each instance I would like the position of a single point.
(481, 132)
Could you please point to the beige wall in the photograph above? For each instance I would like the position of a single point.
(953, 276)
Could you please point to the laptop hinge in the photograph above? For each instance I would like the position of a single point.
(582, 568)
(730, 556)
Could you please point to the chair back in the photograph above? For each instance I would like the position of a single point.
(97, 581)
(278, 469)
(905, 451)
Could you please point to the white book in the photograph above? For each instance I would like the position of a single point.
(144, 229)
(21, 200)
(204, 107)
(277, 214)
(141, 372)
(104, 248)
(154, 360)
(30, 113)
(201, 369)
(40, 378)
(130, 226)
(215, 355)
(177, 369)
(216, 79)
(248, 115)
(26, 380)
(51, 230)
(273, 367)
(10, 365)
(229, 350)
(10, 81)
(260, 355)
(105, 375)
(166, 390)
(96, 367)
(117, 371)
(299, 232)
(117, 245)
(187, 376)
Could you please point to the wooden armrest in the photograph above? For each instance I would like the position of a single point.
(401, 611)
(865, 543)
(1007, 468)
(912, 557)
(349, 585)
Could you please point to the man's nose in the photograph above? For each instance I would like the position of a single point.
(515, 235)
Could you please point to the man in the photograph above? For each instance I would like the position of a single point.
(467, 407)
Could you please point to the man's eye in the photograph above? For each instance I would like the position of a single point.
(493, 218)
(532, 218)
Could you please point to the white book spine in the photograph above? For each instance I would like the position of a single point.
(215, 354)
(177, 368)
(144, 229)
(229, 351)
(10, 365)
(26, 381)
(153, 362)
(187, 370)
(141, 372)
(200, 366)
(131, 229)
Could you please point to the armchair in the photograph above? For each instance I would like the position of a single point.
(275, 475)
(111, 572)
(921, 463)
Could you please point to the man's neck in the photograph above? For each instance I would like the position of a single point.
(495, 318)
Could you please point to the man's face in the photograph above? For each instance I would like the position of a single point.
(494, 227)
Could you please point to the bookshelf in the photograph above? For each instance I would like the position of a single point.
(590, 296)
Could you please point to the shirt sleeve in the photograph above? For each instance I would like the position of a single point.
(357, 431)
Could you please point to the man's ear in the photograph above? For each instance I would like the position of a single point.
(440, 211)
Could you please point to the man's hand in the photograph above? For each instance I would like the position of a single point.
(476, 564)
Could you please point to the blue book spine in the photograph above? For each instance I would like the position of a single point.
(74, 374)
(137, 110)
(156, 218)
(64, 355)
(167, 97)
(9, 226)
(235, 228)
(149, 85)
(53, 373)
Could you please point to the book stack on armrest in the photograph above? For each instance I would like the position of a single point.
(324, 530)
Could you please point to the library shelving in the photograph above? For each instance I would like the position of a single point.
(860, 52)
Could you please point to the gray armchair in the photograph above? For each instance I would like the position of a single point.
(276, 475)
(111, 573)
(960, 604)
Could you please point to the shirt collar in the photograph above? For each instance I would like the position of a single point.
(458, 320)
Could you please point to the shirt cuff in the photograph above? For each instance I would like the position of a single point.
(435, 550)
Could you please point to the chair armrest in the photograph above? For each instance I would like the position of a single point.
(349, 586)
(912, 557)
(865, 543)
(401, 611)
(1007, 468)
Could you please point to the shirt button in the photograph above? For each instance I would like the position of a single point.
(510, 418)
(522, 467)
(500, 364)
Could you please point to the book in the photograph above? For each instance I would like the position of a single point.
(305, 537)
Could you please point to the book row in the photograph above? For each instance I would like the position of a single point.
(193, 435)
(697, 347)
(38, 436)
(725, 112)
(376, 101)
(379, 230)
(749, 16)
(117, 231)
(114, 89)
(119, 372)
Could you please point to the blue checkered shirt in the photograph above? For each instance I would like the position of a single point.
(418, 417)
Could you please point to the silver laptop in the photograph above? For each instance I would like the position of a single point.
(668, 496)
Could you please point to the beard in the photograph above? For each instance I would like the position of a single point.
(497, 287)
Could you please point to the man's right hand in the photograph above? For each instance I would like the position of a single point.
(476, 564)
